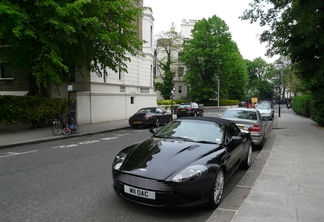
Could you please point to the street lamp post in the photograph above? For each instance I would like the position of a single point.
(172, 94)
(279, 110)
(217, 78)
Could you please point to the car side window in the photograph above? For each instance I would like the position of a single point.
(194, 105)
(232, 130)
(158, 110)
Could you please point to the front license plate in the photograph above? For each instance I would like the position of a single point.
(137, 122)
(139, 192)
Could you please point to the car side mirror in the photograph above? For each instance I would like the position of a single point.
(153, 130)
(236, 139)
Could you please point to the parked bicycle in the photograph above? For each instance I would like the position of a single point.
(58, 125)
(70, 125)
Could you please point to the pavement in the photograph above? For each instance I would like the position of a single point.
(285, 182)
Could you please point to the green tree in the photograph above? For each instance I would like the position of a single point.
(49, 38)
(212, 54)
(168, 47)
(295, 29)
(261, 76)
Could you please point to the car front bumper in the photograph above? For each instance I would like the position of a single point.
(179, 196)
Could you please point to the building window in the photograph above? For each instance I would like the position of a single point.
(180, 71)
(179, 89)
(179, 55)
(122, 88)
(187, 89)
(185, 40)
(6, 71)
(119, 73)
(151, 75)
(151, 37)
(144, 90)
(132, 100)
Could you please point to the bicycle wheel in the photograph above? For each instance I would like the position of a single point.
(76, 128)
(57, 128)
(66, 131)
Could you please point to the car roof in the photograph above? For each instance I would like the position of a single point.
(152, 107)
(241, 108)
(217, 120)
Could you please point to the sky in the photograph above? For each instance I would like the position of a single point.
(166, 12)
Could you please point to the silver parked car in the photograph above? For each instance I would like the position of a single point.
(266, 110)
(248, 119)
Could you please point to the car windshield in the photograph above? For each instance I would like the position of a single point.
(240, 114)
(185, 106)
(194, 131)
(263, 106)
(147, 110)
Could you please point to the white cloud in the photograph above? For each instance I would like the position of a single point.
(244, 34)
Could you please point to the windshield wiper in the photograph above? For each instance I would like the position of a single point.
(179, 138)
(205, 141)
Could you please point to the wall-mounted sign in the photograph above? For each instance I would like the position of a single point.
(69, 88)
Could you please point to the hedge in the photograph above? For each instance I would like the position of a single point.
(29, 109)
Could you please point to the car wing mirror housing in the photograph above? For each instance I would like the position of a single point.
(235, 140)
(153, 130)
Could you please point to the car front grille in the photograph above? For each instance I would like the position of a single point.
(143, 183)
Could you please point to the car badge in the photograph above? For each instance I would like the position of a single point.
(143, 169)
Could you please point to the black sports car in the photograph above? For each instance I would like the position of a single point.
(149, 116)
(184, 164)
(189, 109)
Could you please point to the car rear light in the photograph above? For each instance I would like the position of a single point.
(148, 117)
(190, 109)
(255, 128)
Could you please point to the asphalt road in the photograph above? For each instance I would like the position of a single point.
(70, 180)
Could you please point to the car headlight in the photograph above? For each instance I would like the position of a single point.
(190, 173)
(119, 159)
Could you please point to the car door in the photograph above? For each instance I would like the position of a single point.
(160, 114)
(235, 149)
(196, 108)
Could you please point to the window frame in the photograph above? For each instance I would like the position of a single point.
(2, 66)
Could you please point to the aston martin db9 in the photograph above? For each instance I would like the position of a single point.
(185, 163)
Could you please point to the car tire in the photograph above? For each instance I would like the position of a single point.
(170, 119)
(248, 160)
(202, 113)
(216, 191)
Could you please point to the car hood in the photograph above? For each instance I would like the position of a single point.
(264, 111)
(247, 122)
(159, 158)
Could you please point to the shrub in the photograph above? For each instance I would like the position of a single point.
(29, 109)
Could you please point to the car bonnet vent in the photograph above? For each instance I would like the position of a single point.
(193, 147)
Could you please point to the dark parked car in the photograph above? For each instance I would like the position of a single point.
(242, 104)
(185, 163)
(189, 109)
(149, 116)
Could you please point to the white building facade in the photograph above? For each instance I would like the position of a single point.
(119, 95)
(181, 89)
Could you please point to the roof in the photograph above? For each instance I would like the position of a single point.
(217, 120)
